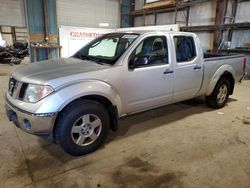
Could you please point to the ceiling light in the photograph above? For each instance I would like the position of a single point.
(103, 24)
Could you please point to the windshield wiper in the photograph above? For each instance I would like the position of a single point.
(86, 57)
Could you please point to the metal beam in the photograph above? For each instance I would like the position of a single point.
(211, 28)
(126, 19)
(221, 8)
(237, 50)
(165, 10)
(155, 21)
(187, 17)
(233, 15)
(45, 10)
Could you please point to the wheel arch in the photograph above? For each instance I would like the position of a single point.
(110, 107)
(226, 72)
(97, 91)
(228, 76)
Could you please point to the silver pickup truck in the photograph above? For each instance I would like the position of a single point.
(77, 100)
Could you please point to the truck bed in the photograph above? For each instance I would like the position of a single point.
(214, 56)
(213, 62)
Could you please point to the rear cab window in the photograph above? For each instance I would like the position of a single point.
(185, 48)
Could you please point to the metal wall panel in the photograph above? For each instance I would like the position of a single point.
(241, 38)
(52, 27)
(206, 40)
(202, 14)
(52, 24)
(35, 16)
(12, 13)
(36, 24)
(139, 21)
(165, 18)
(126, 20)
(242, 13)
(150, 20)
(88, 13)
(139, 4)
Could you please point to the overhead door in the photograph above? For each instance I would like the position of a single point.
(12, 13)
(88, 13)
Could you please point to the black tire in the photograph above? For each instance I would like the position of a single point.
(68, 118)
(17, 61)
(212, 100)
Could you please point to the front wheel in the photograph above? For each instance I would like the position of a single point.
(82, 127)
(220, 94)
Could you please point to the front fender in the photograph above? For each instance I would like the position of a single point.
(217, 75)
(66, 94)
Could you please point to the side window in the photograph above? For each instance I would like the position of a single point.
(151, 51)
(185, 48)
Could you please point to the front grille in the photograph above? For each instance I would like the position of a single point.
(12, 85)
(22, 91)
(17, 89)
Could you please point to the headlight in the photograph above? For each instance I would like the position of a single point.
(35, 93)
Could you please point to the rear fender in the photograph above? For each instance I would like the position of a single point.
(217, 75)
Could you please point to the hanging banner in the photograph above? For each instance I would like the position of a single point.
(74, 38)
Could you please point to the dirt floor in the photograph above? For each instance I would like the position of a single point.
(185, 145)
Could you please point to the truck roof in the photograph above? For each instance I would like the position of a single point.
(150, 31)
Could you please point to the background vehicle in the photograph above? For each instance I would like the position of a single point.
(77, 100)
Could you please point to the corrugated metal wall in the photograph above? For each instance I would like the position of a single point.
(35, 16)
(242, 15)
(88, 13)
(126, 6)
(202, 14)
(12, 13)
(35, 13)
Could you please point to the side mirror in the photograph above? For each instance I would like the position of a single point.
(138, 62)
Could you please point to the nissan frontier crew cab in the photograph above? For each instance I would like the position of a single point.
(77, 100)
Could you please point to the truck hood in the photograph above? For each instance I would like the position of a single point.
(45, 71)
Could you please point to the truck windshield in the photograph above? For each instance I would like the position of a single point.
(107, 48)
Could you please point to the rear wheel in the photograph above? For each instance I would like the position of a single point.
(220, 94)
(82, 127)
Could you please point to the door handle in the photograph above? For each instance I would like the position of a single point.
(168, 71)
(197, 67)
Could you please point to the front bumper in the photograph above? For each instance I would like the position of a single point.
(38, 124)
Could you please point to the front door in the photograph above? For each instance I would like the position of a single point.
(148, 82)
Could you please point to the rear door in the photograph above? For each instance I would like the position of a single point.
(188, 66)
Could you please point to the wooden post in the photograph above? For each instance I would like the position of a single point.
(221, 8)
(234, 10)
